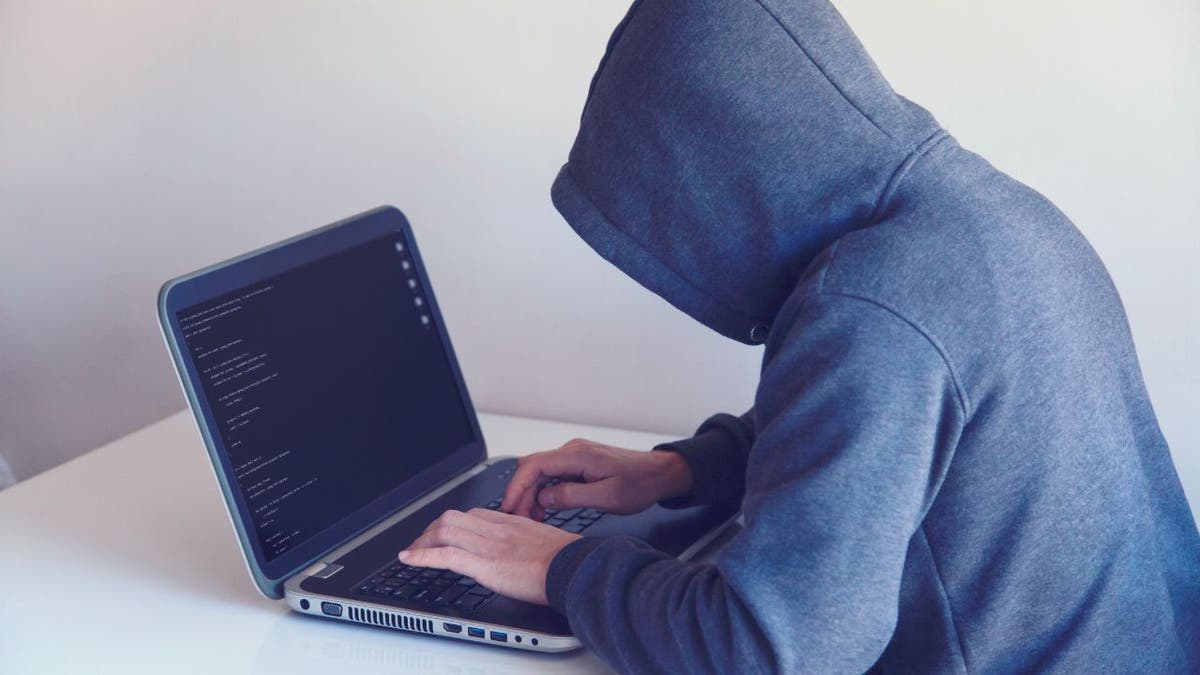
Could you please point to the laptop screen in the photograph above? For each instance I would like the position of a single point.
(328, 386)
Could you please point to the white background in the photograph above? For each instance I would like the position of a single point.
(140, 139)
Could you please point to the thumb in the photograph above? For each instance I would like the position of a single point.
(571, 495)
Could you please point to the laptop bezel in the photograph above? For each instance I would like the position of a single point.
(262, 264)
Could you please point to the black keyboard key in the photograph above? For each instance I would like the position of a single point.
(567, 514)
(575, 526)
(430, 574)
(556, 522)
(450, 595)
(481, 591)
(405, 592)
(466, 581)
(591, 513)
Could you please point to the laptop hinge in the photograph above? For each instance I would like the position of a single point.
(329, 570)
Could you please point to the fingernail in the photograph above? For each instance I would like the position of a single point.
(404, 555)
(547, 499)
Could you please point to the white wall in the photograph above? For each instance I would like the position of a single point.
(140, 139)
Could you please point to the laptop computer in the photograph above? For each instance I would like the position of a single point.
(329, 398)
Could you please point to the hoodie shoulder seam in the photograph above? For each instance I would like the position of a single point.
(964, 402)
(902, 170)
(820, 69)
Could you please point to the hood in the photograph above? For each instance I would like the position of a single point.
(724, 144)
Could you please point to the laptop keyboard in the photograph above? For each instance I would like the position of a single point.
(443, 588)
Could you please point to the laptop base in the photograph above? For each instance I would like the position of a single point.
(331, 589)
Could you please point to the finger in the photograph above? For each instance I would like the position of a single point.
(529, 505)
(467, 521)
(521, 503)
(571, 495)
(444, 557)
(534, 470)
(494, 517)
(454, 519)
(524, 480)
(448, 535)
(531, 472)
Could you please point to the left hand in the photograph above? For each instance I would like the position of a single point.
(508, 554)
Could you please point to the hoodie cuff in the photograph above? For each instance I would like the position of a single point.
(563, 568)
(716, 457)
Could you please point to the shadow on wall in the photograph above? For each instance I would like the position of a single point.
(7, 478)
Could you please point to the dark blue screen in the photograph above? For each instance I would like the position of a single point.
(329, 386)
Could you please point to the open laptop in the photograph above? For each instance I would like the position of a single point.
(329, 398)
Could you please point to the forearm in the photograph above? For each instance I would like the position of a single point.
(644, 611)
(855, 433)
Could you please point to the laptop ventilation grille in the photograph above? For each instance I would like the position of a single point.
(390, 619)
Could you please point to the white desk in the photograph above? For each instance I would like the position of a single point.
(123, 560)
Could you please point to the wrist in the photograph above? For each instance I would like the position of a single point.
(674, 475)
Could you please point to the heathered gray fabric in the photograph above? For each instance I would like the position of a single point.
(951, 463)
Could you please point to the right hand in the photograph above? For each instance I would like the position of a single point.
(597, 476)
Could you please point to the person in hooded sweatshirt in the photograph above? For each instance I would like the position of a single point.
(951, 463)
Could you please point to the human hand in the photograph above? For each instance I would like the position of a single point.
(506, 553)
(597, 476)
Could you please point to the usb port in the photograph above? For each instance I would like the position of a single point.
(452, 627)
(499, 637)
(475, 632)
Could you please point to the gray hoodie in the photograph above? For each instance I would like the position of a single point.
(951, 463)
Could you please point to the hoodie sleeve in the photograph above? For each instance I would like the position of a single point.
(716, 455)
(858, 414)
